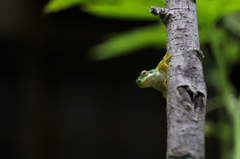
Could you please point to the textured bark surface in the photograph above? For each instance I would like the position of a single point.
(186, 88)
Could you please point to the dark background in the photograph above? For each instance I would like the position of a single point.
(56, 103)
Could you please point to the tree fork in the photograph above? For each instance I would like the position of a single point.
(186, 88)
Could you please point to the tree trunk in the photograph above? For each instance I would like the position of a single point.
(186, 88)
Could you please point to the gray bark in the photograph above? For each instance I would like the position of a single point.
(186, 88)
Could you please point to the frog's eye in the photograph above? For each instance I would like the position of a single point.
(144, 73)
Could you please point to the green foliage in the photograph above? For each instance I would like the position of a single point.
(209, 11)
(123, 9)
(138, 10)
(232, 22)
(57, 5)
(126, 42)
(231, 101)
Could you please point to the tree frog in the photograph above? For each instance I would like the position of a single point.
(156, 78)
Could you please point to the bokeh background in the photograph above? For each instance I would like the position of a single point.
(58, 101)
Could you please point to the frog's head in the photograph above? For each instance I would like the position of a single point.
(145, 78)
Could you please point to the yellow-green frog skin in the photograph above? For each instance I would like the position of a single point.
(156, 78)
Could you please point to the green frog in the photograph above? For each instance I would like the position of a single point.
(156, 78)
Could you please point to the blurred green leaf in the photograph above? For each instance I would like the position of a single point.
(126, 42)
(229, 44)
(230, 6)
(58, 5)
(204, 35)
(232, 22)
(208, 11)
(124, 9)
(108, 8)
(231, 49)
(120, 11)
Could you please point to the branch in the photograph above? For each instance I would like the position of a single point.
(186, 88)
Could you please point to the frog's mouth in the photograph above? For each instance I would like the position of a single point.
(138, 83)
(146, 83)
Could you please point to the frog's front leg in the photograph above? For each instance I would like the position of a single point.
(162, 65)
